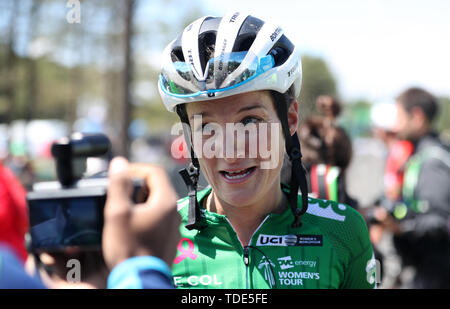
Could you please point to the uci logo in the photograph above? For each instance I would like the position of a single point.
(269, 240)
(275, 240)
(289, 240)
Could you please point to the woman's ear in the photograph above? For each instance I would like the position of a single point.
(293, 118)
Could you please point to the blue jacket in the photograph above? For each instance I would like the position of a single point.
(142, 272)
(12, 274)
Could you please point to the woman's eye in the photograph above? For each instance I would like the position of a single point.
(208, 129)
(249, 119)
(201, 128)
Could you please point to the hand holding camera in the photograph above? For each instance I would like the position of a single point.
(127, 211)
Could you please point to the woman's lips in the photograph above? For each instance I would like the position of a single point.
(237, 176)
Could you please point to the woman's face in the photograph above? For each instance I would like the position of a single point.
(242, 145)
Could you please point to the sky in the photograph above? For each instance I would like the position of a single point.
(375, 48)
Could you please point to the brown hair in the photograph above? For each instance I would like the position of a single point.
(417, 97)
(328, 106)
(323, 142)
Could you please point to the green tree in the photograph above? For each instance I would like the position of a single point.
(317, 79)
(356, 118)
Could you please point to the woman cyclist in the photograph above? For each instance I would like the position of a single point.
(247, 229)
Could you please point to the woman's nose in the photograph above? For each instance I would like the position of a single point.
(229, 149)
(235, 145)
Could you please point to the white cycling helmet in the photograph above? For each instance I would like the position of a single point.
(383, 114)
(216, 57)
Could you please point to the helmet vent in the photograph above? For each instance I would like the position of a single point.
(247, 33)
(243, 43)
(206, 47)
(282, 50)
(177, 55)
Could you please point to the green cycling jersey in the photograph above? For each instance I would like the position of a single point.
(330, 250)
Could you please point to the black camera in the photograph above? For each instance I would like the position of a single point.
(69, 212)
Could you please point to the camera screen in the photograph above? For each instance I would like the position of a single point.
(55, 224)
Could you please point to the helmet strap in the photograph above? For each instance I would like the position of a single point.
(298, 174)
(190, 176)
(298, 179)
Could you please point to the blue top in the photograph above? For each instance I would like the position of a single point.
(12, 273)
(142, 272)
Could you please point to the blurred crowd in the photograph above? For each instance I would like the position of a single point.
(409, 223)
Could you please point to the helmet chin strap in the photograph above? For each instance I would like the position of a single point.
(298, 179)
(190, 176)
(298, 174)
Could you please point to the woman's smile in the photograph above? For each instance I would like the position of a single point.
(238, 176)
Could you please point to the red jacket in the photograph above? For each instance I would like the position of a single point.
(13, 212)
(395, 165)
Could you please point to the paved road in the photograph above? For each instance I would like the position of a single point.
(365, 173)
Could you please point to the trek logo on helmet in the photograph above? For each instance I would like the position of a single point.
(275, 34)
(233, 18)
(294, 68)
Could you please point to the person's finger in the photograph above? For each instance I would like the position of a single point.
(161, 190)
(157, 221)
(158, 226)
(119, 193)
(118, 241)
(380, 214)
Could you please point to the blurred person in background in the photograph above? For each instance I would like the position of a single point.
(383, 116)
(54, 269)
(22, 167)
(12, 272)
(13, 213)
(329, 107)
(327, 152)
(421, 226)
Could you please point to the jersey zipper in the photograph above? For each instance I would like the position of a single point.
(246, 250)
(247, 262)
